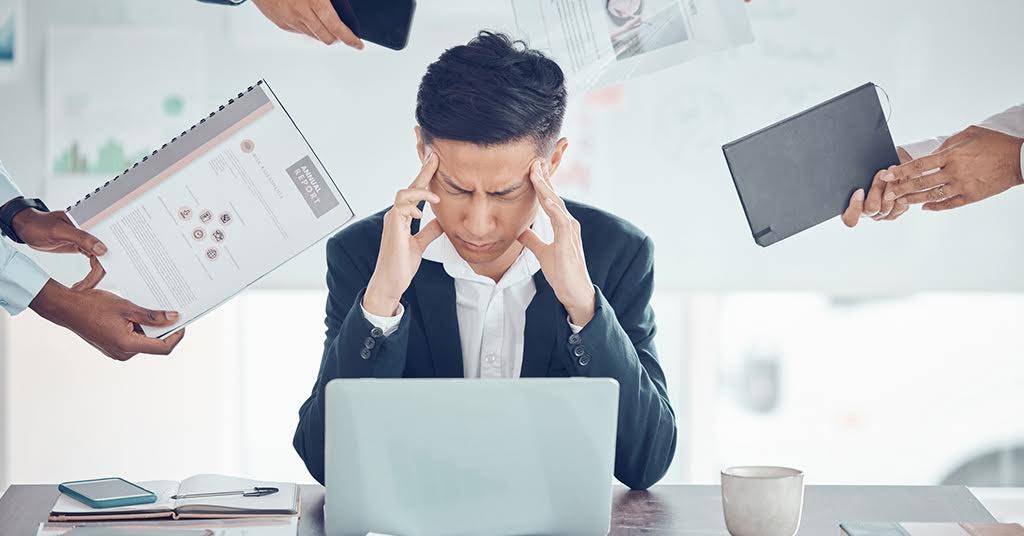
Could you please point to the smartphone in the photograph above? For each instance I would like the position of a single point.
(107, 492)
(385, 22)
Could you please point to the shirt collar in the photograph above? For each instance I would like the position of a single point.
(525, 266)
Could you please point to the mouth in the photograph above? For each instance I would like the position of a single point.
(478, 246)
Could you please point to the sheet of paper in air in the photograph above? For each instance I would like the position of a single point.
(601, 42)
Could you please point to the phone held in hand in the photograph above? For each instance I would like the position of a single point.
(107, 492)
(385, 22)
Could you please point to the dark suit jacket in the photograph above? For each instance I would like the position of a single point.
(617, 343)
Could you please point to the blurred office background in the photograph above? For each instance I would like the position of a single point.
(887, 354)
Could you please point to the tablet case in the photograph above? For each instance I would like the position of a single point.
(802, 171)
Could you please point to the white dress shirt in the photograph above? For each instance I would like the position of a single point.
(20, 278)
(491, 316)
(1009, 122)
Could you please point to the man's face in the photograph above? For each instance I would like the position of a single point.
(487, 198)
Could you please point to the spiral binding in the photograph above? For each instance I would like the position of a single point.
(164, 146)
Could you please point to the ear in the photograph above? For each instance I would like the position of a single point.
(421, 147)
(556, 155)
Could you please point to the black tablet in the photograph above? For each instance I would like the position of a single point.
(801, 171)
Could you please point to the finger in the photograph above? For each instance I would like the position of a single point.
(410, 211)
(427, 171)
(538, 175)
(532, 242)
(939, 193)
(952, 202)
(873, 201)
(888, 200)
(316, 30)
(312, 20)
(412, 196)
(149, 317)
(903, 187)
(852, 214)
(85, 242)
(428, 234)
(898, 208)
(141, 344)
(329, 17)
(918, 166)
(93, 278)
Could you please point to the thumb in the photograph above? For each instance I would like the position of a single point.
(856, 208)
(85, 242)
(149, 317)
(428, 234)
(93, 278)
(532, 242)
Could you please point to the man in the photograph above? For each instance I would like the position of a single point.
(944, 173)
(102, 319)
(480, 270)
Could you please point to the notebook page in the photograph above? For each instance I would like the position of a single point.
(285, 500)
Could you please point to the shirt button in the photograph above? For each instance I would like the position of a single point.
(3, 302)
(584, 360)
(575, 338)
(376, 332)
(490, 358)
(578, 351)
(369, 343)
(365, 353)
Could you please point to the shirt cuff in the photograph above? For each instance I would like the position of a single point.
(20, 281)
(387, 324)
(573, 327)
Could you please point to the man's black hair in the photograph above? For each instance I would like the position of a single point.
(492, 91)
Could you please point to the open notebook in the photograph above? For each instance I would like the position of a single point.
(283, 503)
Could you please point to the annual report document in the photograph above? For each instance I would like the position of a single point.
(213, 210)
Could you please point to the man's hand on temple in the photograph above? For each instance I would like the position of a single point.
(315, 18)
(401, 252)
(562, 260)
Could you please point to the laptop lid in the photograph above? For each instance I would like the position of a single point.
(803, 170)
(456, 456)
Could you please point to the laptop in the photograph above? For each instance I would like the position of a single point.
(457, 456)
(802, 171)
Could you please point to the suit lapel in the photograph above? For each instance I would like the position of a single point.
(541, 329)
(435, 297)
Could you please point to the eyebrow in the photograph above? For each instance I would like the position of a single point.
(504, 191)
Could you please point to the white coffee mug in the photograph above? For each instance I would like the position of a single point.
(762, 501)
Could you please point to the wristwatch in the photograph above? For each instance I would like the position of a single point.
(12, 207)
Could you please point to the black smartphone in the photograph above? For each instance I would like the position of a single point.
(385, 22)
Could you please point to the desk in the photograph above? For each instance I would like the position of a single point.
(663, 510)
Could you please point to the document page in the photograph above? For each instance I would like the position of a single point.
(600, 42)
(214, 210)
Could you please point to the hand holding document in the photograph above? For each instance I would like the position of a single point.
(600, 42)
(214, 210)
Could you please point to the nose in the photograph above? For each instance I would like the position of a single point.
(478, 221)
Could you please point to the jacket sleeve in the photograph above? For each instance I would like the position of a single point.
(353, 348)
(619, 343)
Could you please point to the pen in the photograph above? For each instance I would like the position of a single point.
(254, 492)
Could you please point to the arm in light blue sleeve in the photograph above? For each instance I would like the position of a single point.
(20, 278)
(8, 190)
